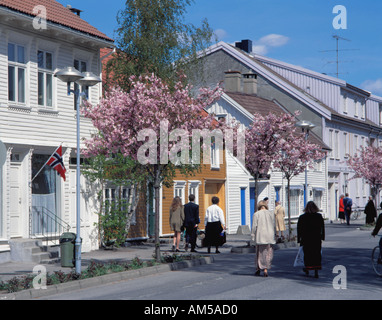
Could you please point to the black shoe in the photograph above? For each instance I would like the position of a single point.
(193, 250)
(217, 251)
(257, 273)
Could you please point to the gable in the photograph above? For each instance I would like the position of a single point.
(55, 13)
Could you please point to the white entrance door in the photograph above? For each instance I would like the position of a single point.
(15, 201)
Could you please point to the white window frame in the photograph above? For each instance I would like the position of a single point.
(17, 67)
(47, 73)
(111, 195)
(331, 143)
(336, 144)
(215, 156)
(179, 190)
(194, 186)
(318, 195)
(83, 67)
(345, 103)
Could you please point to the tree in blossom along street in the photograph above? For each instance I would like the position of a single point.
(262, 143)
(125, 120)
(367, 164)
(294, 154)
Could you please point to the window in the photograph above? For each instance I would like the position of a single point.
(317, 197)
(215, 160)
(363, 110)
(295, 201)
(193, 188)
(357, 106)
(331, 144)
(45, 78)
(345, 103)
(16, 73)
(118, 195)
(346, 145)
(336, 145)
(81, 66)
(380, 114)
(179, 188)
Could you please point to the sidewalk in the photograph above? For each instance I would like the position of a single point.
(143, 250)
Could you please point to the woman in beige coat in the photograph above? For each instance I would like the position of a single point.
(280, 222)
(176, 221)
(263, 233)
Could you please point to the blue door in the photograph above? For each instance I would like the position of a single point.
(242, 200)
(252, 205)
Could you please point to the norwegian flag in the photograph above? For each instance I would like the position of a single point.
(55, 161)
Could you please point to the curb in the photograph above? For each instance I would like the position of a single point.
(250, 248)
(105, 279)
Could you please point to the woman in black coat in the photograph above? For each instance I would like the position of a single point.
(310, 233)
(370, 211)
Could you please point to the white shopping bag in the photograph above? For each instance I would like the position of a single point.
(299, 261)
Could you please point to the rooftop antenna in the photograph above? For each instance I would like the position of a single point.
(338, 38)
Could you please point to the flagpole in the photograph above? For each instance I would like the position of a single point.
(45, 163)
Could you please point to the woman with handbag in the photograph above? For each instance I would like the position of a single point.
(215, 224)
(263, 233)
(310, 234)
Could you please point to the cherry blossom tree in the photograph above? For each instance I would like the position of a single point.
(367, 164)
(262, 143)
(273, 142)
(295, 153)
(136, 125)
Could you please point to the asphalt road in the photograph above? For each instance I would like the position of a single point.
(231, 276)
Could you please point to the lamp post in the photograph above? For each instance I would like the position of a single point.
(69, 75)
(306, 126)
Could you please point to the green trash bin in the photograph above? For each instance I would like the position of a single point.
(67, 247)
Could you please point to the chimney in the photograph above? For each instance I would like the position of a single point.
(232, 81)
(250, 83)
(74, 10)
(245, 45)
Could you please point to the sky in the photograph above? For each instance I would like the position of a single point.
(299, 32)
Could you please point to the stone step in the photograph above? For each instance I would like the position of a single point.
(33, 250)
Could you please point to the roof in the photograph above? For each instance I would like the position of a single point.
(254, 104)
(55, 13)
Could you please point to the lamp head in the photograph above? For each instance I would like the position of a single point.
(69, 74)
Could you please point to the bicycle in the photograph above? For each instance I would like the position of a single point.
(376, 260)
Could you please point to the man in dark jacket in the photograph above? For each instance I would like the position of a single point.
(348, 202)
(191, 221)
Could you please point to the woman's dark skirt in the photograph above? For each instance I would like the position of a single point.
(341, 215)
(312, 255)
(213, 230)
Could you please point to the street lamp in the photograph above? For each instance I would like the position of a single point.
(306, 126)
(69, 75)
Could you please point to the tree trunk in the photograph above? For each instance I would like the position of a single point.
(289, 220)
(157, 205)
(256, 190)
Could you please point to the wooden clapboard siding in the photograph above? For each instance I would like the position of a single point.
(207, 177)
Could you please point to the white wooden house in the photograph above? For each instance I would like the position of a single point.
(37, 115)
(346, 117)
(240, 103)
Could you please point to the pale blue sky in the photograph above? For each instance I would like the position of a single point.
(294, 31)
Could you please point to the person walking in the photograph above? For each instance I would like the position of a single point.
(263, 233)
(176, 221)
(348, 202)
(341, 209)
(191, 221)
(310, 234)
(214, 223)
(280, 222)
(370, 211)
